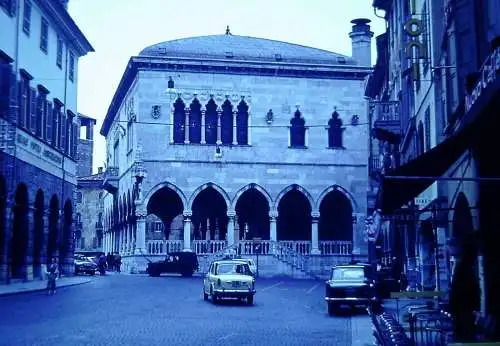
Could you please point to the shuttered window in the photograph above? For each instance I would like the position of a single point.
(50, 122)
(32, 109)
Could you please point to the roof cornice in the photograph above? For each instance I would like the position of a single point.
(63, 20)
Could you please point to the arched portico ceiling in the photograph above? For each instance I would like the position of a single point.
(250, 186)
(166, 185)
(297, 188)
(204, 187)
(342, 191)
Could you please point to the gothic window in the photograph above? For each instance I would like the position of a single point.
(227, 123)
(297, 131)
(335, 131)
(242, 124)
(195, 122)
(211, 122)
(179, 121)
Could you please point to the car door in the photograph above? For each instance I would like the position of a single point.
(206, 281)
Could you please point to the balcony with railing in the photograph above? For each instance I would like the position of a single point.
(111, 177)
(386, 117)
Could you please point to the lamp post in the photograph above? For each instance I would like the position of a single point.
(257, 251)
(436, 249)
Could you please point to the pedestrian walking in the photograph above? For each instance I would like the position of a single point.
(118, 262)
(52, 276)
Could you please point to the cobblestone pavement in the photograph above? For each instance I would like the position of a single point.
(139, 310)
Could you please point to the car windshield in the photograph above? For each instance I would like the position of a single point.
(233, 268)
(348, 274)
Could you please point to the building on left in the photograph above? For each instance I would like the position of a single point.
(40, 46)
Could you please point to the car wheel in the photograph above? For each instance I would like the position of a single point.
(214, 298)
(91, 273)
(332, 308)
(250, 300)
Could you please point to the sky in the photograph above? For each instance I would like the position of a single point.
(119, 29)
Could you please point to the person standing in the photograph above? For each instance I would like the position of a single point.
(52, 274)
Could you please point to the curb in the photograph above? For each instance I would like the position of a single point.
(6, 294)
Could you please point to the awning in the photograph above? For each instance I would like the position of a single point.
(395, 192)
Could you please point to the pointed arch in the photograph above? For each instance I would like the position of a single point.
(195, 122)
(297, 130)
(204, 187)
(338, 188)
(227, 122)
(170, 186)
(179, 121)
(242, 123)
(290, 188)
(250, 186)
(211, 122)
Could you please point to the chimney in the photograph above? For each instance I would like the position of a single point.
(361, 38)
(99, 170)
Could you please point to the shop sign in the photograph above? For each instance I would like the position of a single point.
(414, 28)
(487, 75)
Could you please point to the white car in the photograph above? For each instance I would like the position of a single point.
(250, 262)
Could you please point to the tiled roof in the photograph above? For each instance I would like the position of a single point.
(236, 47)
(94, 177)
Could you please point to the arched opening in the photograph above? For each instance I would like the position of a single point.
(195, 122)
(38, 236)
(294, 217)
(211, 122)
(227, 123)
(427, 252)
(53, 229)
(66, 245)
(20, 236)
(209, 215)
(179, 121)
(335, 221)
(167, 206)
(3, 235)
(464, 292)
(252, 213)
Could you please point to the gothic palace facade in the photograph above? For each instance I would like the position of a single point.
(217, 140)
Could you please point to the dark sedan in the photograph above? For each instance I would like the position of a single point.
(351, 285)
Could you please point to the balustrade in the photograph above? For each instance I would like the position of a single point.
(250, 247)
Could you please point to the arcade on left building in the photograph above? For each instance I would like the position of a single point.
(40, 47)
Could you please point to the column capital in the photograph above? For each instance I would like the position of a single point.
(315, 215)
(273, 214)
(231, 213)
(187, 213)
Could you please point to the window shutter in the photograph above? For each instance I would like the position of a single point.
(5, 85)
(33, 110)
(39, 115)
(49, 123)
(62, 143)
(55, 126)
(21, 109)
(75, 141)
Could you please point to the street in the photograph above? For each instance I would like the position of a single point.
(139, 310)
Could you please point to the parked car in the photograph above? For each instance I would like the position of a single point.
(84, 265)
(184, 262)
(229, 279)
(351, 285)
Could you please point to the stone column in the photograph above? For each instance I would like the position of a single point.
(235, 141)
(186, 126)
(28, 259)
(203, 139)
(230, 227)
(314, 234)
(187, 229)
(273, 216)
(4, 253)
(219, 135)
(140, 247)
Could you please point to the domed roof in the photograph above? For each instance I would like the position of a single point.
(247, 48)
